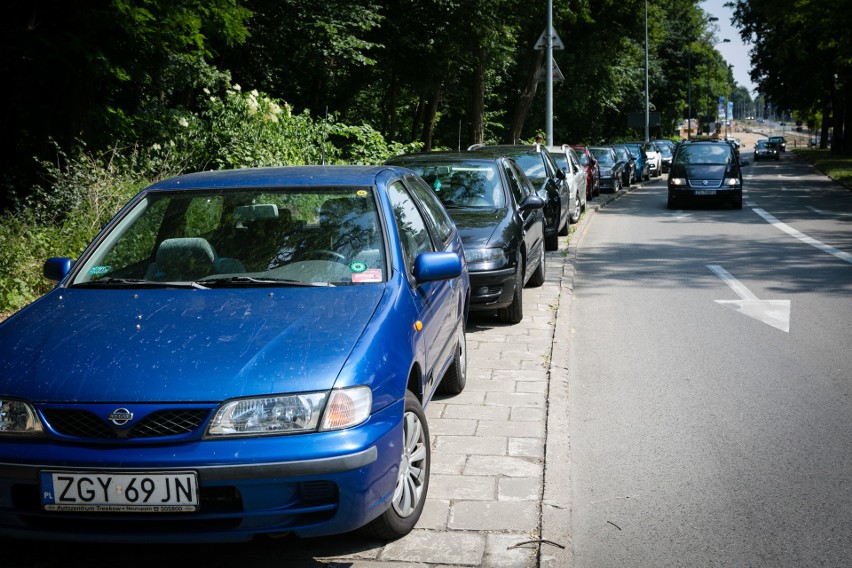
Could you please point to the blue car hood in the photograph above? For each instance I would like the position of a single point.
(95, 345)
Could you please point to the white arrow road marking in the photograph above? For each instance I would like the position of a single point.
(803, 237)
(771, 312)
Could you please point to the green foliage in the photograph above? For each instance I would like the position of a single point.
(84, 189)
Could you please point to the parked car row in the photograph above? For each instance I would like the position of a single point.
(250, 352)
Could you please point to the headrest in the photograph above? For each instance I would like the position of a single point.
(185, 258)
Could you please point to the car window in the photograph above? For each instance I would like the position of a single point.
(436, 214)
(474, 183)
(517, 186)
(707, 154)
(310, 235)
(411, 227)
(603, 156)
(584, 159)
(561, 160)
(575, 161)
(532, 166)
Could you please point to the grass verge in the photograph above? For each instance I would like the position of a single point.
(837, 167)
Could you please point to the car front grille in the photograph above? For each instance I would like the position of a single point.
(705, 183)
(162, 423)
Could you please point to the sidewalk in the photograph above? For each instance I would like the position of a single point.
(499, 492)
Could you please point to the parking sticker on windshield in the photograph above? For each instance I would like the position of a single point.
(98, 270)
(357, 266)
(371, 275)
(362, 193)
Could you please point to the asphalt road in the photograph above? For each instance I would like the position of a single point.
(702, 432)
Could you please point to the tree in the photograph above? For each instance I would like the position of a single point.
(802, 58)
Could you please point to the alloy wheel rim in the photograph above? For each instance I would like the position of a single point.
(412, 468)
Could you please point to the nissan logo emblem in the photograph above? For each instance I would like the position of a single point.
(120, 416)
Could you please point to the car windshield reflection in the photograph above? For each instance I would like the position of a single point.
(239, 238)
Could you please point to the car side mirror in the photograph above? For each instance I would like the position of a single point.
(56, 268)
(531, 202)
(560, 174)
(432, 266)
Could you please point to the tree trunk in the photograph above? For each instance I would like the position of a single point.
(429, 119)
(525, 99)
(418, 118)
(823, 134)
(477, 106)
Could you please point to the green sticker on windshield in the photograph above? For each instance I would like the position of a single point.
(357, 266)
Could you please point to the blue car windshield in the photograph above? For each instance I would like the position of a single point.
(468, 184)
(243, 237)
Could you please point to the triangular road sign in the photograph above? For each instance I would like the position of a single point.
(542, 41)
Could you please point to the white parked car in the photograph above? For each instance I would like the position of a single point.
(655, 158)
(575, 174)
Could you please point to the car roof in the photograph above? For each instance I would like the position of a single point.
(507, 150)
(276, 176)
(440, 156)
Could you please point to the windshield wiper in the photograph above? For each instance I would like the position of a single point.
(135, 283)
(260, 282)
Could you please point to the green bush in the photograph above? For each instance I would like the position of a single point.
(84, 188)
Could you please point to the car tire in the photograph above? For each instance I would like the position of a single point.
(537, 278)
(456, 376)
(627, 182)
(514, 312)
(551, 241)
(574, 218)
(412, 482)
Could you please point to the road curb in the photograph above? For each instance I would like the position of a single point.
(556, 550)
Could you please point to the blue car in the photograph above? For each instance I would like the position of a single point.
(643, 166)
(237, 353)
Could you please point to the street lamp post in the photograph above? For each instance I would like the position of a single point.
(712, 98)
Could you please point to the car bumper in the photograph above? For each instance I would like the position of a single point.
(247, 487)
(490, 290)
(607, 183)
(681, 194)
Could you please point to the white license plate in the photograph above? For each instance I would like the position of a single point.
(119, 492)
(705, 192)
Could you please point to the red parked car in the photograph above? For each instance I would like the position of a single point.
(593, 171)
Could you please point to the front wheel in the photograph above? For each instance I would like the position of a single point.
(412, 481)
(514, 312)
(456, 376)
(537, 278)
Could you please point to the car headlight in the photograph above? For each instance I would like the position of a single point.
(292, 414)
(18, 418)
(732, 181)
(677, 181)
(485, 258)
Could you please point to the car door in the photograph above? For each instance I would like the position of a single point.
(578, 175)
(566, 200)
(435, 300)
(532, 220)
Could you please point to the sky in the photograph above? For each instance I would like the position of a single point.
(736, 52)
